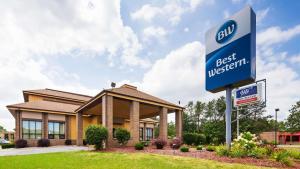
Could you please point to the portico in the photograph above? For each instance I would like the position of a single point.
(113, 106)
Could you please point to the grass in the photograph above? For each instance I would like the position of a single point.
(89, 160)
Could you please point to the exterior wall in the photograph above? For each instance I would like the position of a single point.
(31, 115)
(268, 136)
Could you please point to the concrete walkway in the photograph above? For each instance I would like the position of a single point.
(41, 150)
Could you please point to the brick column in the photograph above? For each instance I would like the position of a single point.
(178, 123)
(18, 129)
(107, 117)
(134, 122)
(163, 124)
(45, 126)
(79, 126)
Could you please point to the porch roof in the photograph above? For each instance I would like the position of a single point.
(130, 93)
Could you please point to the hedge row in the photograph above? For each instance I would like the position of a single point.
(194, 139)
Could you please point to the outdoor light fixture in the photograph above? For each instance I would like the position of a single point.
(113, 84)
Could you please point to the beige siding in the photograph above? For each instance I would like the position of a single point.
(56, 117)
(32, 115)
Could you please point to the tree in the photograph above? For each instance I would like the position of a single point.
(96, 135)
(293, 120)
(199, 112)
(122, 136)
(171, 129)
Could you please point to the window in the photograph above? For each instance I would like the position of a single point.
(149, 133)
(295, 138)
(56, 130)
(141, 134)
(32, 129)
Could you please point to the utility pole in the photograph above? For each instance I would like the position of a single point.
(275, 127)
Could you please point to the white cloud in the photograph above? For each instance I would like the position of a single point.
(261, 14)
(29, 37)
(186, 29)
(171, 10)
(295, 59)
(157, 33)
(275, 35)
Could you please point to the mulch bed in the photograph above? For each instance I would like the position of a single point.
(206, 155)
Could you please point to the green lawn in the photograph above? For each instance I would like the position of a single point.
(84, 160)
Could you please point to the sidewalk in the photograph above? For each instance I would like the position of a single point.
(40, 150)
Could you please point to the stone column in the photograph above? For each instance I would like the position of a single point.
(178, 123)
(163, 124)
(144, 132)
(18, 129)
(134, 122)
(45, 126)
(107, 117)
(79, 126)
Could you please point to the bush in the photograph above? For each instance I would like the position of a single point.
(294, 154)
(184, 149)
(199, 147)
(200, 139)
(139, 146)
(210, 148)
(96, 135)
(5, 146)
(43, 143)
(258, 152)
(159, 143)
(222, 151)
(193, 138)
(21, 143)
(282, 156)
(237, 152)
(68, 142)
(122, 136)
(176, 143)
(84, 142)
(145, 143)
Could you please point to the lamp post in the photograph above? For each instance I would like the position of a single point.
(275, 127)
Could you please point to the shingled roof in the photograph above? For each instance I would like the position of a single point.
(45, 106)
(58, 93)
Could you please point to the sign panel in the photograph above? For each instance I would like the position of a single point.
(248, 95)
(230, 52)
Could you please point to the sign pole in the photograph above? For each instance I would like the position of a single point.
(228, 117)
(237, 122)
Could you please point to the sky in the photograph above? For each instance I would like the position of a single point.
(84, 45)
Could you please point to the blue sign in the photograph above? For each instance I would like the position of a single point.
(230, 52)
(248, 91)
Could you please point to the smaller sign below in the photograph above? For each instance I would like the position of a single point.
(248, 95)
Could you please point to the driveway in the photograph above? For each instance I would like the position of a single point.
(41, 150)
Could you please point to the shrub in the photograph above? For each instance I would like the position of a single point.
(199, 147)
(5, 146)
(145, 143)
(176, 143)
(282, 156)
(68, 142)
(200, 139)
(184, 149)
(21, 143)
(211, 148)
(237, 152)
(193, 138)
(159, 143)
(96, 135)
(222, 151)
(43, 143)
(122, 136)
(139, 146)
(294, 154)
(258, 152)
